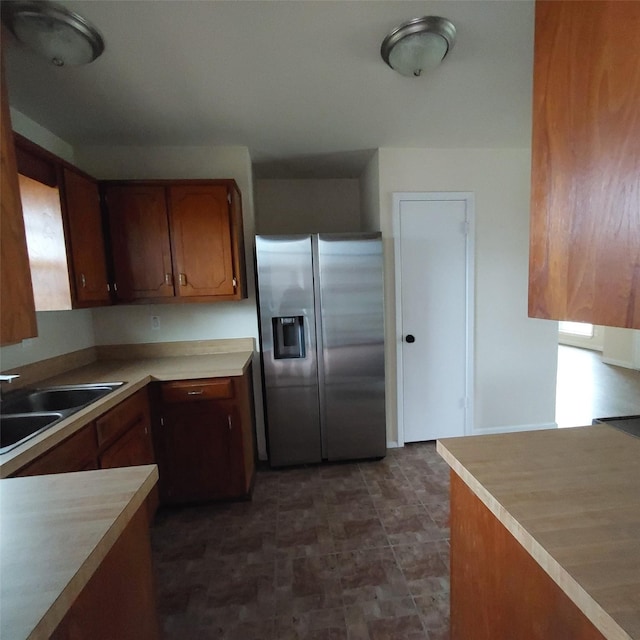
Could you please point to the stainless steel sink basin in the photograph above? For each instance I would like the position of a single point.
(26, 413)
(16, 428)
(56, 399)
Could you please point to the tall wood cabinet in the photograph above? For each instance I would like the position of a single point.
(17, 307)
(585, 189)
(177, 240)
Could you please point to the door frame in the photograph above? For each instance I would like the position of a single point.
(425, 196)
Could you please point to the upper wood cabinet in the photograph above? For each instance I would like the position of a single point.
(585, 189)
(87, 256)
(178, 240)
(17, 308)
(140, 246)
(65, 238)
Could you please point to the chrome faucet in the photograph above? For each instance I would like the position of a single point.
(8, 378)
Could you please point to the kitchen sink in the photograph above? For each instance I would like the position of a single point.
(56, 399)
(26, 413)
(16, 428)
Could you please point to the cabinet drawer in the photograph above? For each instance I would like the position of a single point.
(123, 417)
(196, 390)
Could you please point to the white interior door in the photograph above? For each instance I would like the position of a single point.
(434, 290)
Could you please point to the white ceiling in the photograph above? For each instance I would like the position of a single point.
(299, 82)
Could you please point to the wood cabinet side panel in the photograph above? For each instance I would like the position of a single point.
(585, 189)
(17, 307)
(237, 242)
(46, 245)
(119, 599)
(246, 443)
(497, 589)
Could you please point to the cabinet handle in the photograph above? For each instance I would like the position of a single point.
(167, 279)
(195, 393)
(229, 422)
(183, 279)
(83, 280)
(235, 283)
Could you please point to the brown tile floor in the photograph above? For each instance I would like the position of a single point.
(354, 551)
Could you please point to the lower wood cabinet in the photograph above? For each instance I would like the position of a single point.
(79, 452)
(205, 439)
(119, 438)
(124, 433)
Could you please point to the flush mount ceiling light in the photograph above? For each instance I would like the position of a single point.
(52, 31)
(418, 45)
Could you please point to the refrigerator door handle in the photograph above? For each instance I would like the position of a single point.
(317, 291)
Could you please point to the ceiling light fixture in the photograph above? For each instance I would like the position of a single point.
(51, 30)
(418, 45)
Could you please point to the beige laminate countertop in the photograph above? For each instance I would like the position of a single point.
(137, 374)
(571, 497)
(54, 533)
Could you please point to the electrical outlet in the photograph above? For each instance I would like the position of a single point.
(155, 323)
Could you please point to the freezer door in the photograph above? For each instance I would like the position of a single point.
(288, 344)
(352, 369)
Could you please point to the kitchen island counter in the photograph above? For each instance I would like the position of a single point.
(56, 532)
(136, 372)
(571, 499)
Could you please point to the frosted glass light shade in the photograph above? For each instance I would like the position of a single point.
(417, 53)
(418, 45)
(54, 32)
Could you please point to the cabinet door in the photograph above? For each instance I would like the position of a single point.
(77, 453)
(201, 240)
(87, 252)
(139, 229)
(132, 448)
(585, 189)
(18, 317)
(196, 441)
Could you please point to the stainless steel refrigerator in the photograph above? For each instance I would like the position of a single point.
(322, 341)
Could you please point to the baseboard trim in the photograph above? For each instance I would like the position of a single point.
(618, 363)
(392, 444)
(515, 428)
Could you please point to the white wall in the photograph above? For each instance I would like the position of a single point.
(307, 206)
(370, 195)
(59, 332)
(36, 133)
(620, 347)
(515, 357)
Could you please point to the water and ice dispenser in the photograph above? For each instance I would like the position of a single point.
(288, 337)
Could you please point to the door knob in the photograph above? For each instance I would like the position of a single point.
(410, 338)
